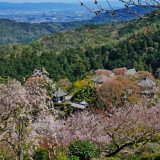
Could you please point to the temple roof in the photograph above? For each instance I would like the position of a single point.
(80, 106)
(40, 72)
(60, 93)
(131, 72)
(120, 71)
(148, 91)
(84, 103)
(147, 83)
(103, 72)
(100, 78)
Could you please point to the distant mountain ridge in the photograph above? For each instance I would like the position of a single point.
(12, 32)
(124, 14)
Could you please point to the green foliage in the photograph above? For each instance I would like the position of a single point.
(41, 154)
(65, 84)
(73, 54)
(6, 153)
(72, 157)
(132, 157)
(87, 93)
(65, 107)
(15, 32)
(112, 158)
(151, 157)
(4, 79)
(61, 156)
(85, 150)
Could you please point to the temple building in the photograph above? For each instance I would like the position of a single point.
(59, 95)
(99, 79)
(148, 87)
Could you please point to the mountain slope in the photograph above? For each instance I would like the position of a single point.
(74, 53)
(12, 32)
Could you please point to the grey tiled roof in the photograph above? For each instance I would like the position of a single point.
(147, 92)
(40, 73)
(100, 78)
(130, 72)
(60, 93)
(147, 83)
(84, 103)
(80, 106)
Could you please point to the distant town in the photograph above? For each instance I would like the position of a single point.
(37, 16)
(44, 12)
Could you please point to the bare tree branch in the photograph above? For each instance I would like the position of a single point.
(146, 5)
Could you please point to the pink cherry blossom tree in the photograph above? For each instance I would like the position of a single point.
(20, 107)
(115, 131)
(112, 131)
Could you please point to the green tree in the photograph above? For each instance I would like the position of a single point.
(85, 150)
(41, 154)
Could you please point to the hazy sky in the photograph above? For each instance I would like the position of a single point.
(15, 1)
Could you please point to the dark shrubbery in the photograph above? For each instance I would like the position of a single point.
(152, 157)
(73, 158)
(41, 154)
(85, 150)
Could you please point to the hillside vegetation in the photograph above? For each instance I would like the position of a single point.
(12, 32)
(74, 53)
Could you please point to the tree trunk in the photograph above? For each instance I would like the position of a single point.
(20, 154)
(20, 139)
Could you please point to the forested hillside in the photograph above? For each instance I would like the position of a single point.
(12, 32)
(74, 53)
